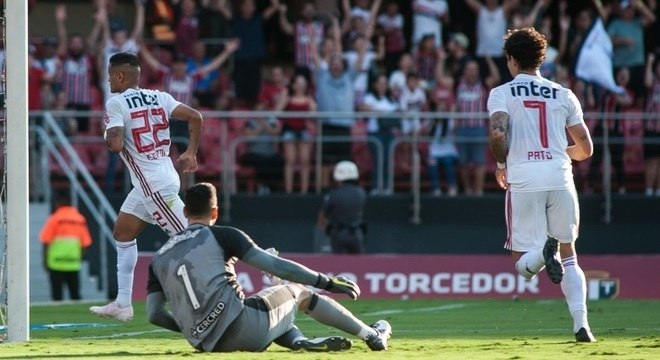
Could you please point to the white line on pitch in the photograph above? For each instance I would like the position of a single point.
(398, 311)
(134, 333)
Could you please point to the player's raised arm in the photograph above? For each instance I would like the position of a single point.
(195, 120)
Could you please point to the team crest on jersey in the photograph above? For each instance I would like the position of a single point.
(106, 119)
(600, 285)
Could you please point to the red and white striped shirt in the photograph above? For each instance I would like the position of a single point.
(77, 78)
(181, 89)
(303, 38)
(471, 99)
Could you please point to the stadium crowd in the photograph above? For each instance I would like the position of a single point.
(380, 56)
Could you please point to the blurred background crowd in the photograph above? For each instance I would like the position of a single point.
(399, 59)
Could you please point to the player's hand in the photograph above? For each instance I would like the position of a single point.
(500, 177)
(188, 161)
(342, 285)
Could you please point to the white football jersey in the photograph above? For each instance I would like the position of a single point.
(539, 113)
(144, 114)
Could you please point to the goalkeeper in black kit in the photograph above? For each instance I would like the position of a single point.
(194, 273)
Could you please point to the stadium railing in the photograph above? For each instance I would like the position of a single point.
(228, 137)
(53, 144)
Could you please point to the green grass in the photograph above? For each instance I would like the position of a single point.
(423, 329)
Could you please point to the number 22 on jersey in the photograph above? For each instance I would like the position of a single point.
(148, 128)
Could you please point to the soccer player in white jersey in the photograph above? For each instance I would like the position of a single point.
(529, 118)
(137, 127)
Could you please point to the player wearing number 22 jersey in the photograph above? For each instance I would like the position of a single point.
(137, 127)
(529, 119)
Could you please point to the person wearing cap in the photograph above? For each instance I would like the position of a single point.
(342, 212)
(627, 34)
(458, 55)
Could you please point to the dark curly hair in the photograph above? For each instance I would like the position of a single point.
(527, 46)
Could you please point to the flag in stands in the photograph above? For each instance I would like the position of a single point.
(594, 63)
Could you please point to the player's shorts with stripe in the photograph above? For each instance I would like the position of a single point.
(163, 208)
(267, 315)
(532, 216)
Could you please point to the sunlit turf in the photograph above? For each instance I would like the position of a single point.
(423, 329)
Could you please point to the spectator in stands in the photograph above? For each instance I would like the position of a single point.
(212, 24)
(263, 153)
(116, 40)
(360, 50)
(180, 83)
(471, 94)
(296, 134)
(187, 28)
(358, 22)
(272, 90)
(36, 79)
(458, 55)
(615, 105)
(50, 63)
(335, 92)
(204, 91)
(384, 129)
(492, 19)
(65, 237)
(304, 31)
(247, 26)
(442, 150)
(397, 78)
(391, 27)
(78, 69)
(627, 34)
(360, 9)
(652, 128)
(178, 80)
(331, 43)
(413, 101)
(426, 60)
(428, 16)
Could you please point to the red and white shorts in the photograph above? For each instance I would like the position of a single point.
(163, 208)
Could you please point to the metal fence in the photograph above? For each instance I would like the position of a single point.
(231, 139)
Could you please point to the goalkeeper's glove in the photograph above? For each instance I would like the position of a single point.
(340, 285)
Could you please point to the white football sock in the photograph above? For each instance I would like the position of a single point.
(574, 287)
(127, 255)
(530, 263)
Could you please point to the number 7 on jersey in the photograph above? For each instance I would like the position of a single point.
(543, 125)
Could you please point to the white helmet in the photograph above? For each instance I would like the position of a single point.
(345, 170)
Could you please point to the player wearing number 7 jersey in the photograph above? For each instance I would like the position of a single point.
(137, 127)
(529, 118)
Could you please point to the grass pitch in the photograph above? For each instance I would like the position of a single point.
(423, 329)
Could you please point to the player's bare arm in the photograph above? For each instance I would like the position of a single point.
(499, 123)
(583, 147)
(114, 139)
(189, 158)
